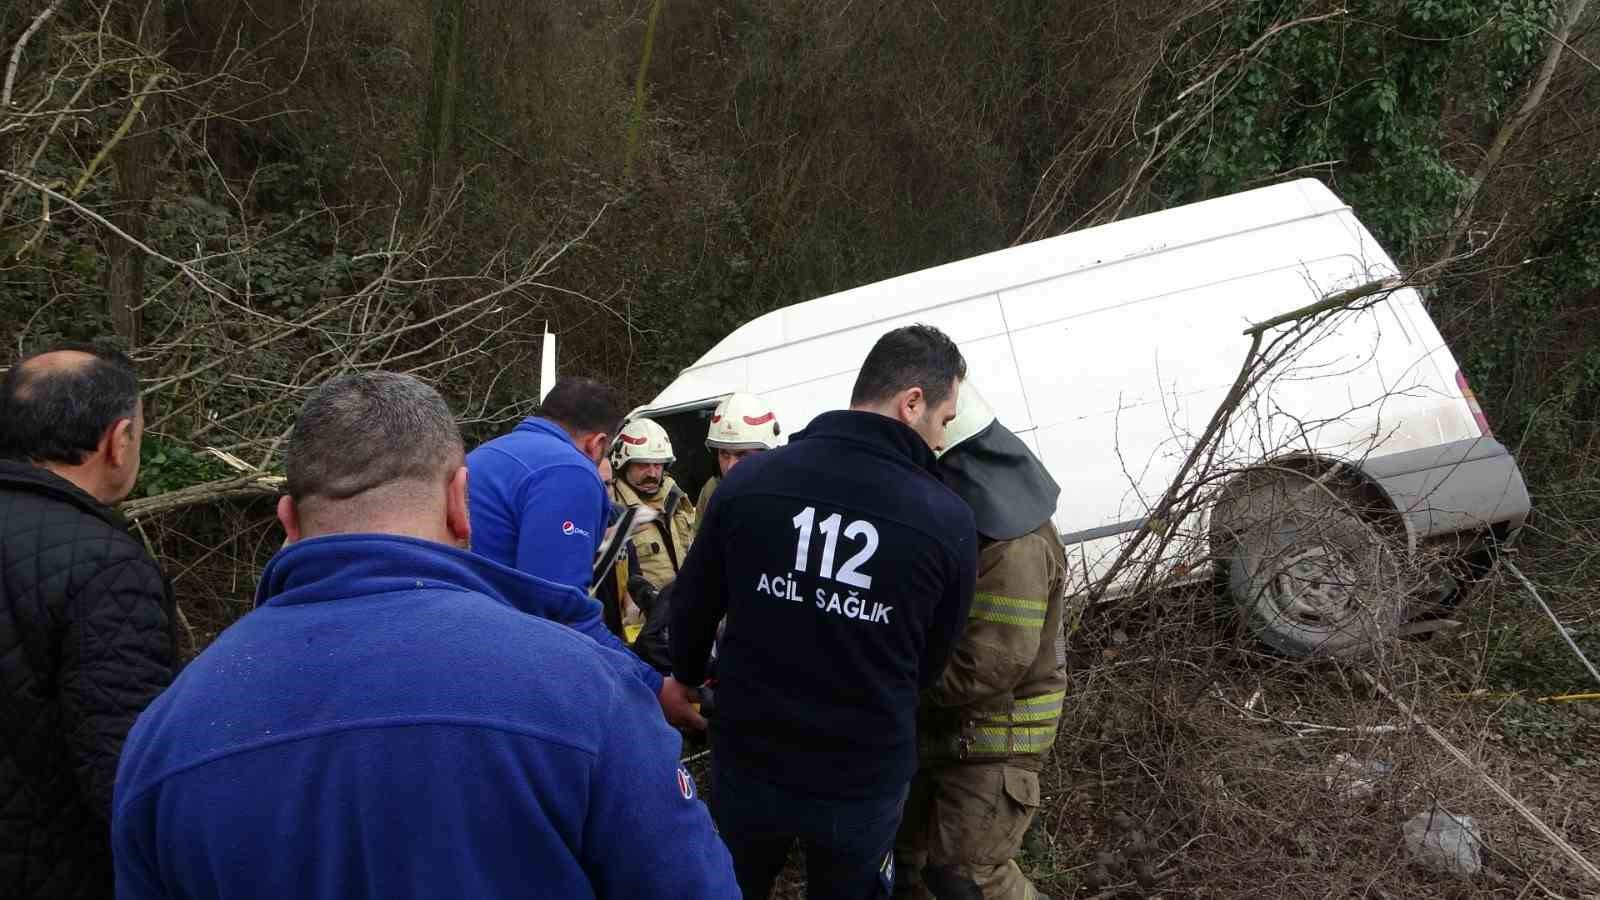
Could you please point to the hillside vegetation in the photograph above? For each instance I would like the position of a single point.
(253, 197)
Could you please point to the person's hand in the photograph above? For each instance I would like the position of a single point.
(677, 704)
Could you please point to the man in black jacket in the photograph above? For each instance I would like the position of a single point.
(846, 570)
(86, 618)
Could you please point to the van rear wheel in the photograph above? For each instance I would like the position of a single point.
(1311, 575)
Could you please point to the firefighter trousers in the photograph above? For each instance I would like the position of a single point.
(963, 826)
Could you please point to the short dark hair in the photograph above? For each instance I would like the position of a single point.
(366, 430)
(912, 356)
(57, 414)
(582, 404)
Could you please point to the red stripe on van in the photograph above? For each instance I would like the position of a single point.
(1472, 404)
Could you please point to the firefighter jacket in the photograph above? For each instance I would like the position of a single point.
(704, 503)
(657, 551)
(1000, 697)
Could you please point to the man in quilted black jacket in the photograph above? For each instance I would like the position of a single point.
(86, 618)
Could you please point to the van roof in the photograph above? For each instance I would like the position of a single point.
(1012, 267)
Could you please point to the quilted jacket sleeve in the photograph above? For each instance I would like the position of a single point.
(118, 655)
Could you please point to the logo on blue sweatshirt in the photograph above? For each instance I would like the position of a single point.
(569, 529)
(685, 783)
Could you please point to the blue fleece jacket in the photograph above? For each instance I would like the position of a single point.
(516, 507)
(537, 503)
(391, 722)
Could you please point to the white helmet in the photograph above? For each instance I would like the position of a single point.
(743, 422)
(973, 415)
(642, 441)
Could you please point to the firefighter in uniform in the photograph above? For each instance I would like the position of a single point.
(642, 453)
(988, 721)
(741, 424)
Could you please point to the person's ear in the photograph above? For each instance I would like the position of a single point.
(594, 446)
(289, 518)
(118, 444)
(457, 517)
(911, 405)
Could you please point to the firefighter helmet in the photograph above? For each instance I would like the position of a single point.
(642, 441)
(743, 422)
(973, 415)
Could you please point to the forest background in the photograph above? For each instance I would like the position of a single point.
(253, 196)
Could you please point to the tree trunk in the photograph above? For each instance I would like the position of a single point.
(440, 156)
(134, 162)
(637, 122)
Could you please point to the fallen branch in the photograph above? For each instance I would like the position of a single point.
(1522, 809)
(255, 485)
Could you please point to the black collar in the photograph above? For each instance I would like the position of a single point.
(878, 432)
(38, 480)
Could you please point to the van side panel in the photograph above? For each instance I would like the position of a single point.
(918, 292)
(1221, 259)
(805, 378)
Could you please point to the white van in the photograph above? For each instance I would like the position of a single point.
(1108, 350)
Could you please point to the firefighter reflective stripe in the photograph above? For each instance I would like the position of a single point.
(1042, 708)
(1008, 610)
(1032, 728)
(1004, 739)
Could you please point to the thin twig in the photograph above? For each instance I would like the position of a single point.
(196, 277)
(16, 52)
(118, 135)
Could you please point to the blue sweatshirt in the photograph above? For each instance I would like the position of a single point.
(498, 470)
(392, 723)
(846, 572)
(537, 503)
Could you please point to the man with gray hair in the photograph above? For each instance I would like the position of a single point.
(390, 721)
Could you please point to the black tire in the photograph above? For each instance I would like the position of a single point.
(1311, 576)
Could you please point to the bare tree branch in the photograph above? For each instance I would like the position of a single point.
(1502, 139)
(16, 52)
(259, 484)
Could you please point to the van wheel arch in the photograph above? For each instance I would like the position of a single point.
(1347, 479)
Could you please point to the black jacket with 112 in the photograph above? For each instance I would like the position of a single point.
(846, 572)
